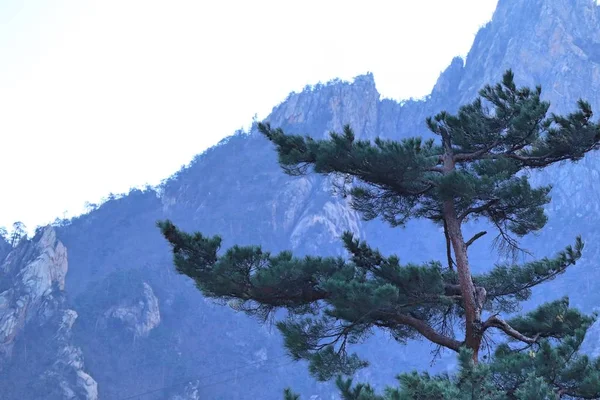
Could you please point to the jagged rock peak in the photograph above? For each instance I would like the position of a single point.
(578, 17)
(333, 104)
(554, 43)
(367, 80)
(450, 78)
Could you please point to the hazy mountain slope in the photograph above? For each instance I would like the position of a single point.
(142, 328)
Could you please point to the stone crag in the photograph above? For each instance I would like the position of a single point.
(33, 310)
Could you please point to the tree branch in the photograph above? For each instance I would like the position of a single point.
(474, 238)
(275, 297)
(476, 154)
(496, 322)
(435, 169)
(452, 290)
(479, 209)
(527, 161)
(420, 326)
(448, 248)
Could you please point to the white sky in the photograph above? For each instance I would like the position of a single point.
(101, 96)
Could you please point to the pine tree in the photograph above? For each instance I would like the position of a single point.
(473, 169)
(18, 233)
(552, 372)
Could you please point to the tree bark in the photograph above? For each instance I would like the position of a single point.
(473, 298)
(497, 322)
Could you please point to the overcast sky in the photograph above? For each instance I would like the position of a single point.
(102, 96)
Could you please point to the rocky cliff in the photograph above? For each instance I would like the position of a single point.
(37, 353)
(146, 331)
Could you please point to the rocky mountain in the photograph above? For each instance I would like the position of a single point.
(120, 324)
(38, 358)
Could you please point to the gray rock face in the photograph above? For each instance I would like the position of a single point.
(35, 273)
(548, 42)
(77, 384)
(36, 270)
(141, 315)
(335, 105)
(5, 248)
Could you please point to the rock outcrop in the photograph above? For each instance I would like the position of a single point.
(548, 42)
(139, 315)
(30, 273)
(33, 313)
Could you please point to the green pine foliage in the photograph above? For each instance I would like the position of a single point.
(474, 169)
(544, 372)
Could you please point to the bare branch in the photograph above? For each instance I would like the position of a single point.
(420, 326)
(506, 244)
(496, 322)
(481, 208)
(445, 327)
(476, 154)
(474, 238)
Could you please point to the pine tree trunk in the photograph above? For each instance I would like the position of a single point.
(472, 299)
